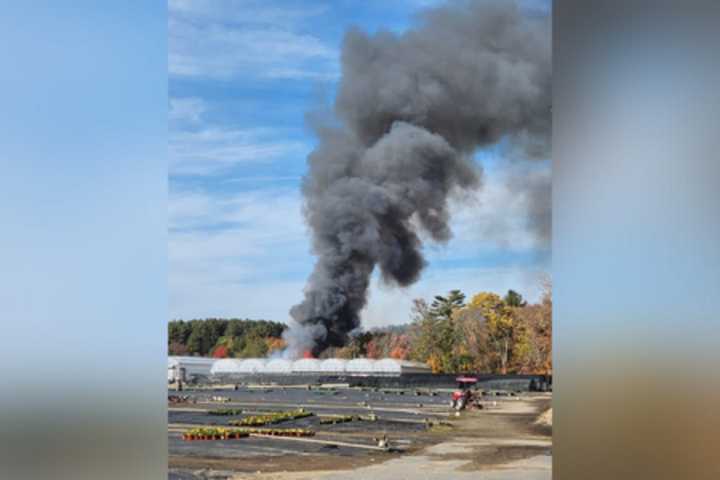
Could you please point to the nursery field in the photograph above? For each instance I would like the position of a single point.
(266, 430)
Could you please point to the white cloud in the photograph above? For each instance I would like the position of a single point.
(270, 301)
(213, 149)
(243, 11)
(245, 39)
(199, 147)
(187, 109)
(245, 266)
(265, 218)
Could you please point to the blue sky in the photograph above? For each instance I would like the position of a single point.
(242, 77)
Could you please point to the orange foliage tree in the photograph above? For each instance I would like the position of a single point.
(275, 344)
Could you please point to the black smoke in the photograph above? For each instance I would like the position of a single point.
(410, 111)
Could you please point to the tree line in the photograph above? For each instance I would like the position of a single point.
(488, 333)
(485, 333)
(222, 338)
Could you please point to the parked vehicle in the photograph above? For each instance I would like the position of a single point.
(465, 394)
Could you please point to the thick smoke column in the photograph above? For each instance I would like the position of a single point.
(410, 111)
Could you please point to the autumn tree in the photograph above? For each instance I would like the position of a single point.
(217, 336)
(399, 347)
(434, 332)
(424, 335)
(533, 343)
(472, 348)
(443, 307)
(359, 344)
(275, 344)
(220, 351)
(499, 324)
(514, 300)
(254, 346)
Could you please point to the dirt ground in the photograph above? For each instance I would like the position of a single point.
(504, 441)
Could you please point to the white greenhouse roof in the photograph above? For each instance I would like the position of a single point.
(391, 365)
(278, 365)
(364, 365)
(333, 365)
(306, 365)
(226, 365)
(252, 365)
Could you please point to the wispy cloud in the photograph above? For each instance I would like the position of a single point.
(213, 149)
(232, 254)
(200, 147)
(186, 110)
(245, 39)
(248, 12)
(256, 229)
(264, 178)
(266, 212)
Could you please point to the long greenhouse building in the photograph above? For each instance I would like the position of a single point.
(187, 367)
(387, 372)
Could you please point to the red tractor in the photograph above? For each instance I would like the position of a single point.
(464, 395)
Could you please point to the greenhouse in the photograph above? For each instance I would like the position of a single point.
(194, 368)
(393, 367)
(252, 365)
(226, 366)
(333, 366)
(306, 365)
(278, 366)
(359, 366)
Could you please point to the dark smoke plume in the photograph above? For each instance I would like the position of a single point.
(410, 111)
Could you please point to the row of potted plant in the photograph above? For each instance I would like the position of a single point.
(341, 419)
(280, 432)
(348, 418)
(214, 433)
(220, 433)
(270, 418)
